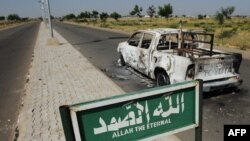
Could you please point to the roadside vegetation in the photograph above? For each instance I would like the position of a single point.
(230, 31)
(11, 20)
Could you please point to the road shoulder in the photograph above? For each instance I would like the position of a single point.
(59, 75)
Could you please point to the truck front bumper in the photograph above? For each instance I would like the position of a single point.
(221, 84)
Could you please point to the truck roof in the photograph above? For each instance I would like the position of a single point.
(167, 30)
(162, 30)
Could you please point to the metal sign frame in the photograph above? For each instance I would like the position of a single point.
(70, 120)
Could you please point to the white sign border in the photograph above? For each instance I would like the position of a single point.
(91, 105)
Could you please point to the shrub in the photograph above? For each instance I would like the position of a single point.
(196, 25)
(243, 47)
(115, 15)
(209, 29)
(173, 26)
(228, 33)
(104, 25)
(228, 25)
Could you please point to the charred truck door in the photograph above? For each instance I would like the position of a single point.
(144, 53)
(132, 53)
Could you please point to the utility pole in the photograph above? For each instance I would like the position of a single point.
(42, 10)
(45, 7)
(49, 19)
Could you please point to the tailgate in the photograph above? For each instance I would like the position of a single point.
(217, 66)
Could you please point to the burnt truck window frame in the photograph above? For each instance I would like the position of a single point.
(190, 40)
(145, 44)
(169, 42)
(132, 42)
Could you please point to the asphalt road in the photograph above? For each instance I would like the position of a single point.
(100, 48)
(16, 48)
(219, 108)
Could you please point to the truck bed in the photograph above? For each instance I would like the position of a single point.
(195, 52)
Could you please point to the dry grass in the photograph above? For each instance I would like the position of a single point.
(7, 24)
(234, 33)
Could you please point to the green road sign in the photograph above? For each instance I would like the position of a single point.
(146, 114)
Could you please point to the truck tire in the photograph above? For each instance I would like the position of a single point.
(122, 60)
(162, 79)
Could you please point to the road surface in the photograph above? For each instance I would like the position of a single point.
(225, 107)
(16, 47)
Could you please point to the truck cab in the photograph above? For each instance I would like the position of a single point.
(169, 56)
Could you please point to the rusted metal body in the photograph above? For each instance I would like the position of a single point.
(182, 55)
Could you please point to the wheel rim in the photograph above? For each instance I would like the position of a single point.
(162, 80)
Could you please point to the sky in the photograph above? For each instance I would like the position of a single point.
(31, 8)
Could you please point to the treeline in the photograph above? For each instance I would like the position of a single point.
(94, 15)
(164, 11)
(13, 17)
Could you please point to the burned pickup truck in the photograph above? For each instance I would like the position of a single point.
(169, 56)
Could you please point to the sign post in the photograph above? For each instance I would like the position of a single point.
(142, 115)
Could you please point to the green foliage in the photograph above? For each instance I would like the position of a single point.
(173, 26)
(84, 15)
(2, 18)
(245, 28)
(115, 15)
(82, 20)
(126, 23)
(95, 14)
(104, 16)
(219, 17)
(151, 11)
(40, 18)
(69, 17)
(24, 19)
(136, 11)
(228, 33)
(165, 11)
(227, 25)
(200, 17)
(104, 25)
(13, 17)
(224, 13)
(196, 25)
(208, 28)
(227, 12)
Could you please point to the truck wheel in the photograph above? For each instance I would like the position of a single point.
(122, 60)
(162, 79)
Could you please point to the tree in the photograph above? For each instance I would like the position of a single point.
(95, 14)
(151, 11)
(136, 11)
(13, 17)
(69, 17)
(166, 11)
(84, 15)
(200, 17)
(227, 12)
(219, 17)
(224, 13)
(115, 15)
(2, 18)
(104, 16)
(24, 19)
